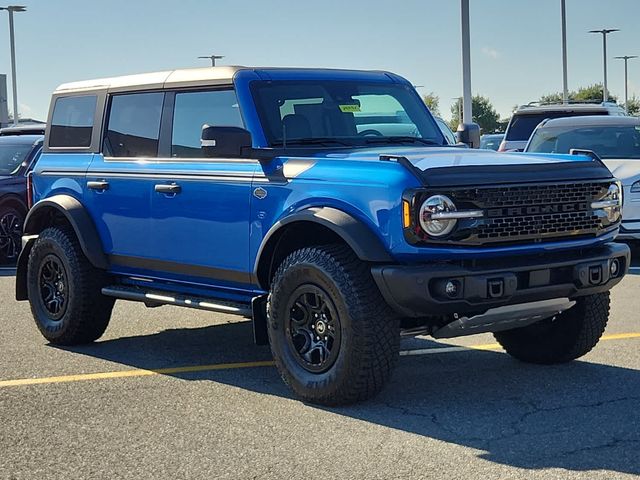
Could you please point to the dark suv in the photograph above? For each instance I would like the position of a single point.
(326, 206)
(19, 149)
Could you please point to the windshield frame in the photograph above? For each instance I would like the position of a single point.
(350, 142)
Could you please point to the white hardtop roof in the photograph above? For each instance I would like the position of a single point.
(592, 121)
(174, 78)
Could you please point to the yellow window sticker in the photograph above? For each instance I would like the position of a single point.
(349, 108)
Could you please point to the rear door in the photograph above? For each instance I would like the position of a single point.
(200, 206)
(119, 179)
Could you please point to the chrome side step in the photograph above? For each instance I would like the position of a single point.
(504, 318)
(157, 297)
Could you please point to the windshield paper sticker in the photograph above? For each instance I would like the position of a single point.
(349, 108)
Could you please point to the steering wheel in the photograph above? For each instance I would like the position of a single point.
(370, 133)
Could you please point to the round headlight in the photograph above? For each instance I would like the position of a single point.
(430, 219)
(614, 193)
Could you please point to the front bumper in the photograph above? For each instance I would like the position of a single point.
(420, 290)
(629, 230)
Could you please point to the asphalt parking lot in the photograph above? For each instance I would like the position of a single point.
(174, 393)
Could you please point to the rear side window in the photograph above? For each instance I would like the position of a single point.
(72, 121)
(133, 126)
(193, 110)
(523, 125)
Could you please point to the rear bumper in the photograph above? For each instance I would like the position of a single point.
(420, 290)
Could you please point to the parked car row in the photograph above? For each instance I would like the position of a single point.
(527, 117)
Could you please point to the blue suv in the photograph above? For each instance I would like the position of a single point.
(326, 206)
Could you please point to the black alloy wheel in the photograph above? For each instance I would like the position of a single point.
(53, 287)
(314, 328)
(10, 235)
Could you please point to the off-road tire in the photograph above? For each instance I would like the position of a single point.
(87, 312)
(370, 331)
(562, 338)
(9, 258)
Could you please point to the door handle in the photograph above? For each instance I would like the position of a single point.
(171, 188)
(100, 185)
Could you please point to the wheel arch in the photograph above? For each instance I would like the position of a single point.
(313, 226)
(14, 201)
(56, 210)
(45, 212)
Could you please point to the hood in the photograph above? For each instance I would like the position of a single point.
(627, 171)
(452, 166)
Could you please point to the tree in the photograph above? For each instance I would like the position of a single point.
(634, 106)
(433, 102)
(483, 114)
(591, 93)
(551, 98)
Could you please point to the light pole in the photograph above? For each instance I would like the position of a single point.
(466, 64)
(565, 88)
(604, 32)
(213, 58)
(626, 79)
(11, 9)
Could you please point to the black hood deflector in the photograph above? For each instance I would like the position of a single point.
(483, 175)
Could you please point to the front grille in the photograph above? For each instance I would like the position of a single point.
(531, 212)
(525, 195)
(552, 224)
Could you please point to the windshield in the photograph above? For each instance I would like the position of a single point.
(606, 141)
(11, 157)
(491, 142)
(446, 131)
(522, 125)
(295, 113)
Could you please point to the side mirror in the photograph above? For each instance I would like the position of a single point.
(221, 142)
(469, 133)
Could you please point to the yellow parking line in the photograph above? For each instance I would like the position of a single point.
(133, 373)
(21, 382)
(620, 336)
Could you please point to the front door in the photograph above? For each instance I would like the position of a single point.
(200, 206)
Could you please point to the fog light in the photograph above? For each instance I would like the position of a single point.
(614, 268)
(451, 288)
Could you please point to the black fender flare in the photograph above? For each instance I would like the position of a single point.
(77, 215)
(37, 220)
(360, 238)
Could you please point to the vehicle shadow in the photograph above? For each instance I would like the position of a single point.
(579, 416)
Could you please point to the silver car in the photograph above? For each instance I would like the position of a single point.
(616, 140)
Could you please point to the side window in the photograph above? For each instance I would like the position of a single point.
(72, 121)
(133, 127)
(193, 110)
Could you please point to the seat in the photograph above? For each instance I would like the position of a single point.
(626, 145)
(565, 143)
(295, 125)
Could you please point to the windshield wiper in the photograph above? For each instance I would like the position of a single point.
(402, 139)
(311, 141)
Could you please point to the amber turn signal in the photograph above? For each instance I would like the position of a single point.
(406, 214)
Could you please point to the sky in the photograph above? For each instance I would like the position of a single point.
(515, 44)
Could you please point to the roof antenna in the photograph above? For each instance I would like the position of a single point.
(213, 58)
